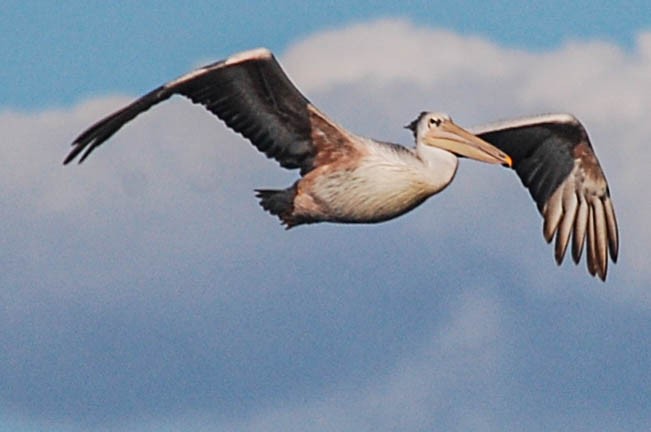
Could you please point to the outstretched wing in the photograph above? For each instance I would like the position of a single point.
(553, 157)
(253, 96)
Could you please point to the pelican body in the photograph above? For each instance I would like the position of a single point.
(352, 179)
(377, 181)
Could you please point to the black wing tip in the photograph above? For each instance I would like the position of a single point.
(77, 148)
(104, 129)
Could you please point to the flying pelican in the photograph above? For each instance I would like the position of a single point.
(351, 179)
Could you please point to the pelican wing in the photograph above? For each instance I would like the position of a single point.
(253, 96)
(553, 157)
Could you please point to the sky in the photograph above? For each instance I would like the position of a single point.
(145, 290)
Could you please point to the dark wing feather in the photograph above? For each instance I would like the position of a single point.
(553, 157)
(248, 91)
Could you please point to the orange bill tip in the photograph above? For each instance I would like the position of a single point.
(508, 161)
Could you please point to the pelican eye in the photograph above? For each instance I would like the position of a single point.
(435, 121)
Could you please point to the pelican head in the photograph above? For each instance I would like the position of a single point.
(438, 130)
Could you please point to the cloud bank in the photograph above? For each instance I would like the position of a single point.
(146, 290)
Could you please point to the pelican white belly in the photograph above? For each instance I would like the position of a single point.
(386, 183)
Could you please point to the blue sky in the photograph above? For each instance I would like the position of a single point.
(63, 54)
(146, 291)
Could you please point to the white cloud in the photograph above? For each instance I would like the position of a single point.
(159, 230)
(393, 50)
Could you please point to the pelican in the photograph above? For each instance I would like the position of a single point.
(347, 178)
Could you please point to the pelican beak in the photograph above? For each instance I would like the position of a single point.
(459, 141)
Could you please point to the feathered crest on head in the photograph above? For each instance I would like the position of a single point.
(414, 124)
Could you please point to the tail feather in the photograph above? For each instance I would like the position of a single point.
(279, 203)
